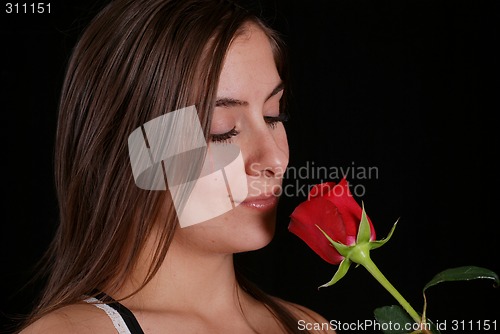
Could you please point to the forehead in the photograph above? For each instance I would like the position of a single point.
(249, 36)
(249, 63)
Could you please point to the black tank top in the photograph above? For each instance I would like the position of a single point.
(127, 315)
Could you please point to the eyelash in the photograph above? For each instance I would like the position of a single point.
(271, 121)
(224, 137)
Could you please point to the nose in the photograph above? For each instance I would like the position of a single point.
(267, 153)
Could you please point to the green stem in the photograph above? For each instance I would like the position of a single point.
(373, 269)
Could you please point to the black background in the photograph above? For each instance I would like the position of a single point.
(407, 87)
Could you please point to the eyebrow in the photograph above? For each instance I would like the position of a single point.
(230, 102)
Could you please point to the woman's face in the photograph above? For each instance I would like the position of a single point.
(247, 114)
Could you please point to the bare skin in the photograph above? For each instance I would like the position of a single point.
(195, 290)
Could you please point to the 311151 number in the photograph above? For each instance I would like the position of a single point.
(28, 8)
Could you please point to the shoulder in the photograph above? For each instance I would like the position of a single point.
(73, 319)
(308, 319)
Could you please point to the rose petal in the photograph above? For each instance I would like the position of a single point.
(321, 212)
(320, 190)
(350, 210)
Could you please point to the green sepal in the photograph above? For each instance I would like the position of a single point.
(364, 232)
(341, 271)
(341, 248)
(379, 243)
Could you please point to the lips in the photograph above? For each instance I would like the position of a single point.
(263, 202)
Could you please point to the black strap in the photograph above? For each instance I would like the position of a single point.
(127, 315)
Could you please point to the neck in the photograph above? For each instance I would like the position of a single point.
(187, 280)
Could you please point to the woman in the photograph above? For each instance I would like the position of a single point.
(119, 242)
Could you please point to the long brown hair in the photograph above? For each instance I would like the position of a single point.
(137, 60)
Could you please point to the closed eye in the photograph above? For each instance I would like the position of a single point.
(272, 121)
(224, 137)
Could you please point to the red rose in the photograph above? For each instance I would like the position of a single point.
(331, 207)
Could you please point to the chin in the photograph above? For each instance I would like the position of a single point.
(237, 231)
(254, 232)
